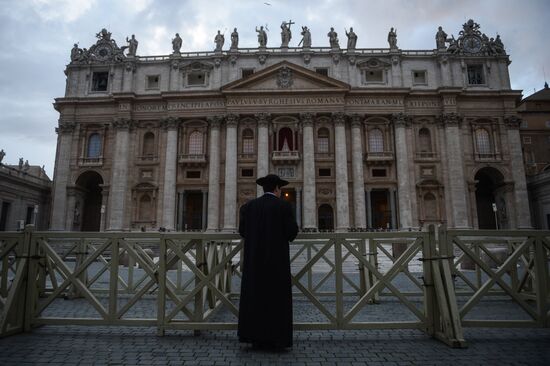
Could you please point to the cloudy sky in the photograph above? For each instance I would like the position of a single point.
(36, 37)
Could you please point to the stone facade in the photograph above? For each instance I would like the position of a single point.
(25, 194)
(368, 138)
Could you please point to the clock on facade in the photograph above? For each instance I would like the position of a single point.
(471, 44)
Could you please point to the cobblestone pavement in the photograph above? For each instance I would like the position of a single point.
(70, 345)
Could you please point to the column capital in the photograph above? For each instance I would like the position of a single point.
(170, 123)
(231, 120)
(450, 119)
(356, 120)
(513, 122)
(214, 121)
(123, 123)
(263, 119)
(339, 118)
(307, 119)
(65, 127)
(400, 119)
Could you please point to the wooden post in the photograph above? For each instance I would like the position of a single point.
(339, 284)
(29, 251)
(161, 293)
(113, 279)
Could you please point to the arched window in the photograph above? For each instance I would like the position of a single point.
(248, 141)
(425, 140)
(325, 217)
(94, 146)
(286, 139)
(430, 207)
(145, 208)
(195, 143)
(483, 141)
(149, 144)
(323, 138)
(376, 141)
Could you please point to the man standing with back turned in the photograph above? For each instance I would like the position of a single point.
(267, 225)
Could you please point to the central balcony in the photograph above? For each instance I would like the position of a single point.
(285, 157)
(192, 159)
(379, 158)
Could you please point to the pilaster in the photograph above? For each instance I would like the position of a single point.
(214, 174)
(400, 122)
(341, 162)
(170, 124)
(230, 192)
(357, 171)
(309, 189)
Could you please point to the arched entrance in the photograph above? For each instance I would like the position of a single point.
(325, 217)
(489, 191)
(87, 214)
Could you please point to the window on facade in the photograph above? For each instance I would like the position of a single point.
(419, 77)
(430, 206)
(248, 141)
(153, 81)
(247, 172)
(94, 146)
(425, 140)
(247, 72)
(324, 172)
(378, 173)
(196, 78)
(374, 76)
(195, 143)
(483, 141)
(29, 216)
(285, 139)
(475, 75)
(148, 144)
(145, 208)
(322, 71)
(100, 80)
(193, 174)
(376, 141)
(323, 140)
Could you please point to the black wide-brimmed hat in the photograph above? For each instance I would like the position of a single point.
(271, 179)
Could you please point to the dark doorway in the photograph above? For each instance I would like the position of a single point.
(192, 218)
(325, 217)
(381, 212)
(489, 180)
(289, 195)
(90, 183)
(4, 215)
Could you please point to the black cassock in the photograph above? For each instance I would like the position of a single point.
(267, 224)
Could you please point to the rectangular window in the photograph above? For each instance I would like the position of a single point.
(524, 124)
(196, 78)
(248, 146)
(419, 77)
(322, 145)
(4, 215)
(153, 82)
(245, 173)
(193, 174)
(374, 76)
(247, 72)
(100, 81)
(28, 218)
(475, 75)
(324, 172)
(527, 140)
(322, 70)
(378, 173)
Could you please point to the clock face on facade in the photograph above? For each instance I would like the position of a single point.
(472, 44)
(103, 52)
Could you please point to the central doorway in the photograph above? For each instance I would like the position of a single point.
(289, 195)
(489, 191)
(381, 212)
(88, 216)
(192, 217)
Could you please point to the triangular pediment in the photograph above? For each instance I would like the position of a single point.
(285, 77)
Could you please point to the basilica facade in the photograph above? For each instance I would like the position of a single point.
(368, 138)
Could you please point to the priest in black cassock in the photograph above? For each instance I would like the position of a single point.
(267, 225)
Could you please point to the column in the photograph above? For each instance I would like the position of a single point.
(104, 203)
(179, 223)
(393, 209)
(521, 199)
(299, 207)
(341, 162)
(403, 178)
(170, 170)
(214, 174)
(357, 171)
(455, 165)
(204, 209)
(119, 176)
(61, 176)
(310, 204)
(369, 208)
(263, 149)
(230, 192)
